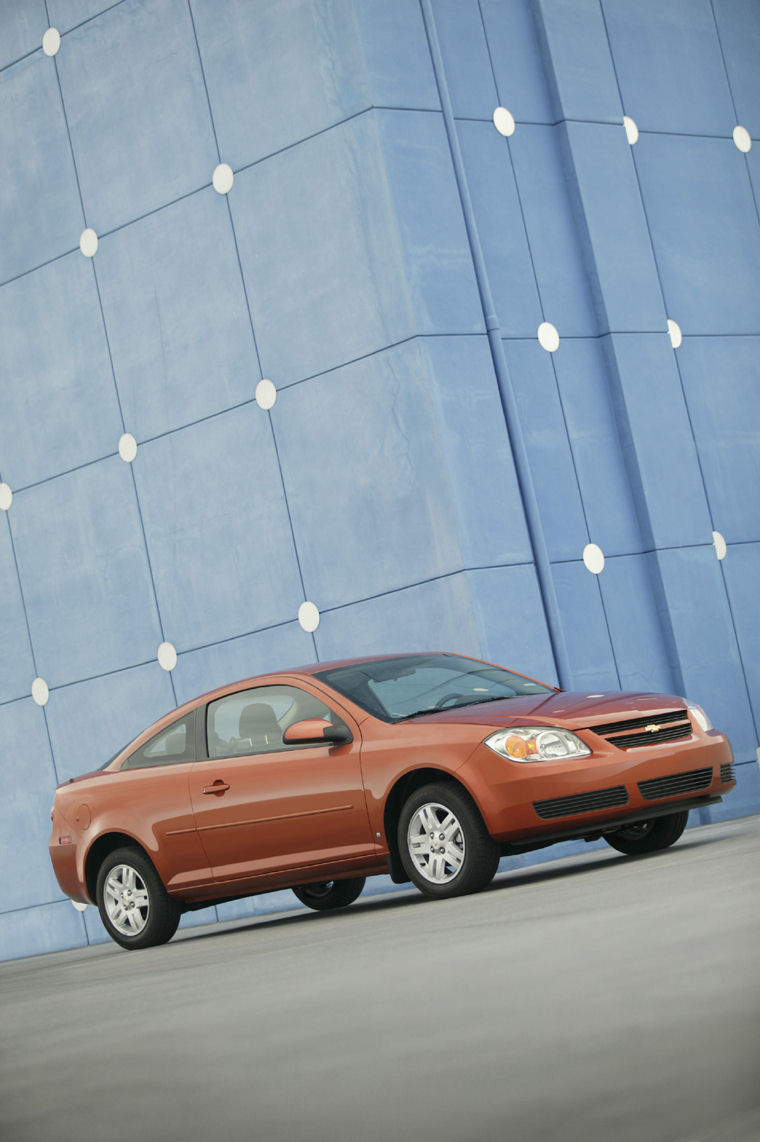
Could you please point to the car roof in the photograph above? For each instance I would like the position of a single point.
(306, 671)
(312, 668)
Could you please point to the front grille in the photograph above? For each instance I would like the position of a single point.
(727, 773)
(657, 728)
(675, 783)
(581, 803)
(651, 737)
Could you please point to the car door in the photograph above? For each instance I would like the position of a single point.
(262, 806)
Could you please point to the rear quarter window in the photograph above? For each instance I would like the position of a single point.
(174, 744)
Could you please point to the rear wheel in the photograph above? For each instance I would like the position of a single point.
(444, 844)
(134, 906)
(648, 836)
(329, 894)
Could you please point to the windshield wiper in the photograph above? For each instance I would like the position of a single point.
(459, 706)
(416, 713)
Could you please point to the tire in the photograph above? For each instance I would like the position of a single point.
(648, 836)
(134, 905)
(329, 894)
(462, 857)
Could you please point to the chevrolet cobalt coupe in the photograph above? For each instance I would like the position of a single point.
(429, 767)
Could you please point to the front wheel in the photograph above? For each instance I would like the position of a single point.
(444, 844)
(134, 906)
(648, 836)
(329, 894)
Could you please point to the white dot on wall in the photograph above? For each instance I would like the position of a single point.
(167, 656)
(127, 447)
(6, 497)
(223, 178)
(548, 337)
(742, 138)
(266, 394)
(308, 617)
(674, 331)
(79, 905)
(503, 121)
(593, 557)
(88, 243)
(719, 544)
(40, 691)
(631, 130)
(51, 42)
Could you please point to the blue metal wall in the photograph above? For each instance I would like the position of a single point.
(429, 474)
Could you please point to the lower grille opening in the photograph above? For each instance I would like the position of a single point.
(727, 773)
(581, 803)
(675, 783)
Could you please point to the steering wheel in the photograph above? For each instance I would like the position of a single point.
(447, 698)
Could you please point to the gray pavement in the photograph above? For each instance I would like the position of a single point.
(596, 997)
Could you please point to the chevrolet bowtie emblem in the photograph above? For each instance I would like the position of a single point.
(652, 728)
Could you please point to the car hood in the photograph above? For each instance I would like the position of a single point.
(568, 709)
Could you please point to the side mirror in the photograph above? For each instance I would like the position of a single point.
(316, 730)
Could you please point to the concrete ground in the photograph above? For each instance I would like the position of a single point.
(594, 998)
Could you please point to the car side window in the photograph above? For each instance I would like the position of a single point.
(254, 721)
(174, 744)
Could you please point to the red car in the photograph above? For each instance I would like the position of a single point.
(429, 767)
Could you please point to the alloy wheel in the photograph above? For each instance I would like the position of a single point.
(436, 843)
(126, 900)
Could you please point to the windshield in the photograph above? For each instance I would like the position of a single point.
(397, 688)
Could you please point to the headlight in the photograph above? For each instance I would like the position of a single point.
(536, 743)
(701, 718)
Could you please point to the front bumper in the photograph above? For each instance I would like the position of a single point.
(541, 801)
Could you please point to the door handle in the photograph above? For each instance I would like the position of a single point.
(217, 788)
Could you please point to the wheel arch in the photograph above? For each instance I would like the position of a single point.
(99, 850)
(403, 788)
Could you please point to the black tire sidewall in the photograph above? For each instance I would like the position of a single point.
(665, 832)
(342, 893)
(163, 912)
(481, 851)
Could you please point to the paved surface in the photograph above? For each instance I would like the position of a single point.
(598, 997)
